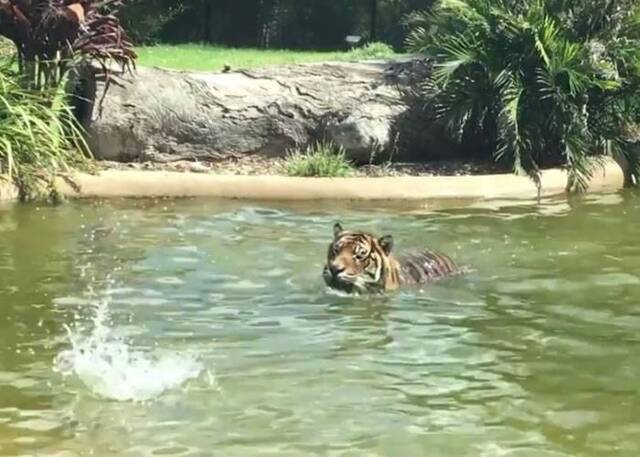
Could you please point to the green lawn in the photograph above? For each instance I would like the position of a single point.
(213, 58)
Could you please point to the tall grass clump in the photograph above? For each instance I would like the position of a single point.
(535, 82)
(321, 159)
(39, 136)
(7, 49)
(374, 50)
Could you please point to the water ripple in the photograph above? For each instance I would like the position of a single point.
(533, 355)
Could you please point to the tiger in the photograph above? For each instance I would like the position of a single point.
(359, 262)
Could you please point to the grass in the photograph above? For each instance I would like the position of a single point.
(199, 57)
(319, 160)
(376, 50)
(39, 136)
(7, 49)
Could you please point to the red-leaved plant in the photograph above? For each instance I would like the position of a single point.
(51, 35)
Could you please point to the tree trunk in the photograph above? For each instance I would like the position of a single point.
(269, 23)
(207, 30)
(374, 20)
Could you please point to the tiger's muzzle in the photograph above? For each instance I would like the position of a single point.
(340, 280)
(337, 279)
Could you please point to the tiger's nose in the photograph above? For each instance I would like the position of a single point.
(336, 269)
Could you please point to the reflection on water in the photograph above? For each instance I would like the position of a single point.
(213, 315)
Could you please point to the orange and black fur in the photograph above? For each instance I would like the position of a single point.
(360, 262)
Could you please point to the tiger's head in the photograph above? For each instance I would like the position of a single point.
(360, 262)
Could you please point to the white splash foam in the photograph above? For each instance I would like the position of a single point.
(109, 367)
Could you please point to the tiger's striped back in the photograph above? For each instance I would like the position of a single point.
(427, 266)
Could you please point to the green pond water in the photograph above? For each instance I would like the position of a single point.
(203, 328)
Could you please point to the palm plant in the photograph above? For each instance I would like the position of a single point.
(541, 82)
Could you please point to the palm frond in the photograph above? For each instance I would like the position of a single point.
(544, 81)
(456, 51)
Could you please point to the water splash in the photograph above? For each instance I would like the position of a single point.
(110, 368)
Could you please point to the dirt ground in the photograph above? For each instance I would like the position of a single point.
(257, 165)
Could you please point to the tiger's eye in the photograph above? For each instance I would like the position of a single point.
(360, 254)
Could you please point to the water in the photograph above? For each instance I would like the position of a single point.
(108, 367)
(203, 328)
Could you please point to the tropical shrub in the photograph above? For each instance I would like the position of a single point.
(539, 82)
(321, 159)
(39, 136)
(49, 35)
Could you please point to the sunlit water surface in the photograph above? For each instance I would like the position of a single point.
(203, 328)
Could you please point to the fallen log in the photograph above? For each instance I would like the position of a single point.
(162, 115)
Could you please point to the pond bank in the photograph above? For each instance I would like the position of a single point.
(8, 192)
(257, 165)
(153, 184)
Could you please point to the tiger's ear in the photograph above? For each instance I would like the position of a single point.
(337, 229)
(386, 243)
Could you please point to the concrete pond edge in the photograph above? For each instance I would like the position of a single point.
(164, 184)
